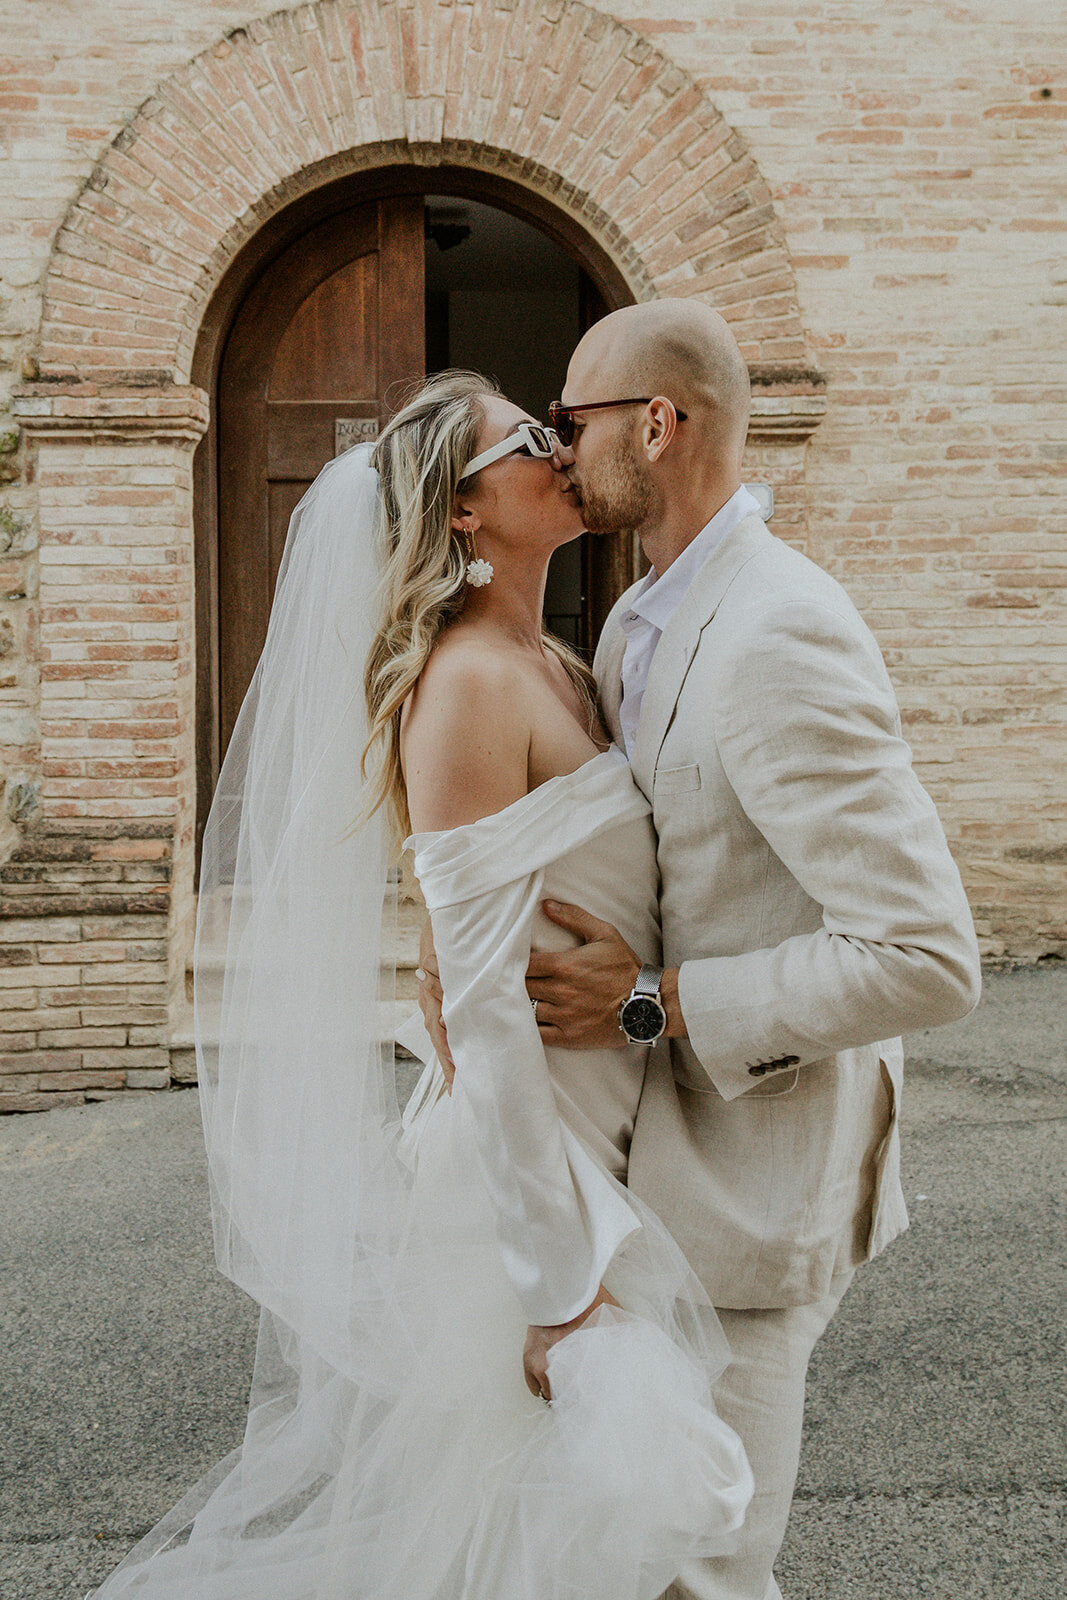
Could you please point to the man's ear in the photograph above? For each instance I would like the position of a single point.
(658, 429)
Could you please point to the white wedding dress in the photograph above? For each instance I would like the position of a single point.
(392, 1450)
(459, 1484)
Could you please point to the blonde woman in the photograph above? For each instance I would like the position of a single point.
(396, 1449)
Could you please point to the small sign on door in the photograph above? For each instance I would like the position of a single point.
(348, 431)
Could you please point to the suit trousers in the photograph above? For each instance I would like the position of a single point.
(761, 1396)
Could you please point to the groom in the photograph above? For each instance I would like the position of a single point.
(810, 908)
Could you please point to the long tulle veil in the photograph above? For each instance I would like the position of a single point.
(297, 1088)
(309, 1197)
(368, 1469)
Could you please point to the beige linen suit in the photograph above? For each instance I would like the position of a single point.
(809, 898)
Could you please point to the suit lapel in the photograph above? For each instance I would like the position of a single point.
(607, 666)
(609, 678)
(676, 649)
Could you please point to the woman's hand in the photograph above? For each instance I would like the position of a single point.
(539, 1341)
(431, 999)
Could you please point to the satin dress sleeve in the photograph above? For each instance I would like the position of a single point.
(559, 1217)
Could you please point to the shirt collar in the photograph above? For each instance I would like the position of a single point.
(660, 596)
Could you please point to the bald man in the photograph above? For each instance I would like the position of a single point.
(810, 909)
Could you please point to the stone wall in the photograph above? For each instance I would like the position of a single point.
(893, 216)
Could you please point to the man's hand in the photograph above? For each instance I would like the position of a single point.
(539, 1342)
(579, 991)
(431, 999)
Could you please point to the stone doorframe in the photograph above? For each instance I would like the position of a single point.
(583, 114)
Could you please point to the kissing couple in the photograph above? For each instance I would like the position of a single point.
(546, 1335)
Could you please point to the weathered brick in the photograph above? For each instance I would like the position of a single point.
(126, 972)
(132, 850)
(122, 997)
(836, 178)
(157, 1078)
(183, 1065)
(141, 1058)
(124, 927)
(45, 1017)
(130, 1014)
(41, 1061)
(84, 953)
(17, 955)
(81, 1038)
(42, 931)
(83, 1080)
(19, 1000)
(39, 1102)
(149, 1034)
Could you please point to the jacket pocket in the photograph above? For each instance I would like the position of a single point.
(889, 1213)
(673, 780)
(771, 1086)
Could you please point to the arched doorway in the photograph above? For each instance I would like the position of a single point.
(227, 163)
(309, 346)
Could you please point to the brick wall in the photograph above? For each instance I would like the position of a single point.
(915, 154)
(84, 979)
(96, 896)
(892, 214)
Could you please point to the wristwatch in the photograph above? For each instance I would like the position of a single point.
(641, 1015)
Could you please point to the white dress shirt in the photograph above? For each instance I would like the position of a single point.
(659, 598)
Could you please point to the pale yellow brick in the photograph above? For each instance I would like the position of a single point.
(813, 182)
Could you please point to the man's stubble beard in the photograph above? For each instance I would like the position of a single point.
(617, 496)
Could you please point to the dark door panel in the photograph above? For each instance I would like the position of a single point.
(331, 334)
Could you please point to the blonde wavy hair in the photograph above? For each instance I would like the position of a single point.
(420, 457)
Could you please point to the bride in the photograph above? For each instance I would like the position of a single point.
(397, 1447)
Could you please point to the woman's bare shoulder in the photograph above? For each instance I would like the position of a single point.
(466, 658)
(465, 735)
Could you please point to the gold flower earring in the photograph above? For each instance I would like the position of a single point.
(479, 572)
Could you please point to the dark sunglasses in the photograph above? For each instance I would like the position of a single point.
(562, 417)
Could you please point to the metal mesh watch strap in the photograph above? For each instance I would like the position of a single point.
(642, 1017)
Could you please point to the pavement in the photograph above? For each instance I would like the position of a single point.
(933, 1462)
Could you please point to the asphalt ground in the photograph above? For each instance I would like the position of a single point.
(933, 1463)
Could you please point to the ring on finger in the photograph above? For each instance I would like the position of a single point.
(535, 1004)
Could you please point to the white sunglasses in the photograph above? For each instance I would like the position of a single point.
(529, 437)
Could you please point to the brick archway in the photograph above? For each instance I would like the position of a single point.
(561, 97)
(550, 95)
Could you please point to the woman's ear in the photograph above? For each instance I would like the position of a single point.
(464, 520)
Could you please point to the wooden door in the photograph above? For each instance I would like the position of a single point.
(319, 355)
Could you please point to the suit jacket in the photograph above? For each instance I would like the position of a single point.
(809, 898)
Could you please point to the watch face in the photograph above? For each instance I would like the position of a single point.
(643, 1019)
